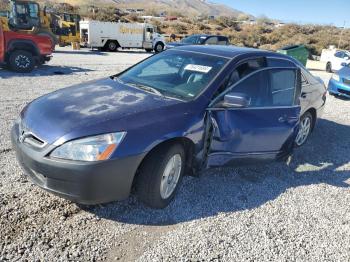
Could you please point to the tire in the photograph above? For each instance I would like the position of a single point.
(306, 125)
(159, 47)
(112, 46)
(21, 61)
(152, 181)
(329, 67)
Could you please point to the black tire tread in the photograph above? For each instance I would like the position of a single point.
(21, 70)
(148, 181)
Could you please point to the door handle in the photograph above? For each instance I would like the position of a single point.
(303, 95)
(284, 119)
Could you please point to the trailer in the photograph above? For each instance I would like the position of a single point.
(111, 36)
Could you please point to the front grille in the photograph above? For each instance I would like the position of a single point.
(346, 81)
(346, 92)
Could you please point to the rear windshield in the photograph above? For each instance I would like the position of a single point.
(174, 73)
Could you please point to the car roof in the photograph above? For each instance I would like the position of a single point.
(228, 51)
(206, 35)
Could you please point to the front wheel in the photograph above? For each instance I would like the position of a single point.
(159, 48)
(160, 176)
(305, 129)
(21, 61)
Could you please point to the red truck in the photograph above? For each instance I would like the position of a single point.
(22, 52)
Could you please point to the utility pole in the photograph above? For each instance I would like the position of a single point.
(341, 35)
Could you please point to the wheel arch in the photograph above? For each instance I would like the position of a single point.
(112, 40)
(26, 45)
(313, 112)
(188, 145)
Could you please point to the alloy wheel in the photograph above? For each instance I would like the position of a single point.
(22, 61)
(304, 131)
(171, 176)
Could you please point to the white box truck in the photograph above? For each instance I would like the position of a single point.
(111, 36)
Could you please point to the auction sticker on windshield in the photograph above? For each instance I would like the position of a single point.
(198, 68)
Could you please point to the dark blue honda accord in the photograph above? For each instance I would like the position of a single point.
(175, 113)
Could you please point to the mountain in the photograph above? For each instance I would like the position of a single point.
(188, 7)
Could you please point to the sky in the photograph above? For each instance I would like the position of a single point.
(301, 11)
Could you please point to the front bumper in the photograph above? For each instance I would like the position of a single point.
(82, 182)
(338, 88)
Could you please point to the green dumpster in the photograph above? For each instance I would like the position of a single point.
(299, 52)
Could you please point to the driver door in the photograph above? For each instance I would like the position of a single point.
(262, 121)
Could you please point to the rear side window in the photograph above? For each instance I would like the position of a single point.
(275, 62)
(283, 83)
(212, 41)
(222, 40)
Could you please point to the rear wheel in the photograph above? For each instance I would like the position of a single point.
(305, 129)
(21, 61)
(160, 176)
(112, 46)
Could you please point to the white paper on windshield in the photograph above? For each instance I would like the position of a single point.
(198, 68)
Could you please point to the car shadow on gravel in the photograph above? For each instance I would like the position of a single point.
(45, 70)
(323, 160)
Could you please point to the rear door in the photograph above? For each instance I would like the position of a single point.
(264, 130)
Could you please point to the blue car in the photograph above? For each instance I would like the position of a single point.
(174, 114)
(340, 82)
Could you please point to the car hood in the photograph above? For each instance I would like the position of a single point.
(101, 104)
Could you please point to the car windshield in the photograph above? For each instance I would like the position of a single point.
(174, 73)
(190, 40)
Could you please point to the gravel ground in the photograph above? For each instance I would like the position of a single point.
(298, 211)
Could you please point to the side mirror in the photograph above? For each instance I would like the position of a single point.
(236, 100)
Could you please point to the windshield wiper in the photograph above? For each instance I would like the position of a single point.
(146, 88)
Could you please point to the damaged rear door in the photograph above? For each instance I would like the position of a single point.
(255, 119)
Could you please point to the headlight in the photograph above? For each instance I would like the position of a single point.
(336, 77)
(95, 148)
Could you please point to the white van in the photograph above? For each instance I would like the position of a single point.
(111, 36)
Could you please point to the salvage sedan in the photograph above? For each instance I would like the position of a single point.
(175, 113)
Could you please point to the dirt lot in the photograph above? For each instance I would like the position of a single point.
(281, 212)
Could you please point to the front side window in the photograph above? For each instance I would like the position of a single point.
(175, 73)
(242, 70)
(339, 54)
(272, 87)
